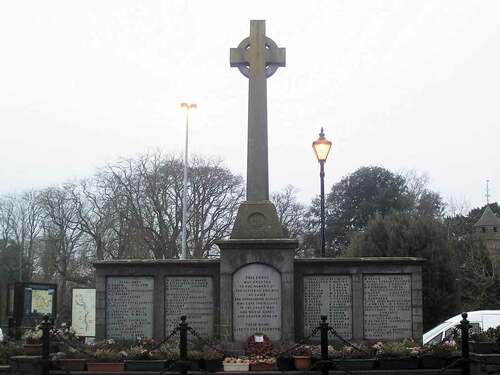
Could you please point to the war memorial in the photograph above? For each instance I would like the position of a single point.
(257, 285)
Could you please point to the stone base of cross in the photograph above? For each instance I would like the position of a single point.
(257, 220)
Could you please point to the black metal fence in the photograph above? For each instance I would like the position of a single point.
(324, 365)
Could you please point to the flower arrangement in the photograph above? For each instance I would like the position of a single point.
(138, 353)
(166, 351)
(394, 349)
(236, 364)
(109, 355)
(443, 350)
(254, 348)
(490, 335)
(358, 351)
(302, 351)
(211, 354)
(33, 336)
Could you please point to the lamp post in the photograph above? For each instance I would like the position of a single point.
(184, 254)
(321, 148)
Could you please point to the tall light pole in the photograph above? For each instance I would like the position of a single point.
(321, 148)
(184, 254)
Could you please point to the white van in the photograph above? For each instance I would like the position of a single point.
(480, 320)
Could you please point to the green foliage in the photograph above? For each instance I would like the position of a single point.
(410, 235)
(108, 355)
(367, 192)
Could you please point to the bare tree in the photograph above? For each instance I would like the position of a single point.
(291, 213)
(214, 196)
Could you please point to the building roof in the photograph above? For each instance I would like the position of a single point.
(488, 219)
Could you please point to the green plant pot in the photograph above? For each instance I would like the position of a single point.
(428, 361)
(354, 364)
(483, 347)
(213, 365)
(145, 365)
(72, 364)
(285, 364)
(408, 363)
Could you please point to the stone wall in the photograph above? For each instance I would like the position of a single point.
(364, 298)
(263, 288)
(142, 289)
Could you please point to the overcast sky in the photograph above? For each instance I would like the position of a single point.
(400, 84)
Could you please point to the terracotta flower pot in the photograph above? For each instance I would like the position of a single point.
(262, 366)
(301, 362)
(32, 349)
(72, 364)
(105, 366)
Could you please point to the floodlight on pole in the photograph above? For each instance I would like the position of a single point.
(184, 255)
(321, 148)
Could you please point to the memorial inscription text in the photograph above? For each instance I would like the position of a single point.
(129, 307)
(387, 306)
(192, 296)
(329, 295)
(256, 302)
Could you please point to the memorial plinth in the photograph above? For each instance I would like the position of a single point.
(257, 288)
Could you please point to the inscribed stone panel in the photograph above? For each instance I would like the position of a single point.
(387, 306)
(192, 296)
(129, 307)
(329, 295)
(257, 302)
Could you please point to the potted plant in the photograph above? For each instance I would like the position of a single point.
(212, 359)
(486, 342)
(235, 364)
(284, 360)
(107, 360)
(140, 359)
(439, 355)
(302, 357)
(32, 341)
(358, 357)
(262, 363)
(70, 360)
(397, 355)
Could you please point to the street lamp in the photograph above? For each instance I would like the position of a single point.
(321, 148)
(184, 254)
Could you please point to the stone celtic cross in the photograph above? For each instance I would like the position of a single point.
(257, 57)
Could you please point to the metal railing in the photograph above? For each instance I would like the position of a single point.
(324, 329)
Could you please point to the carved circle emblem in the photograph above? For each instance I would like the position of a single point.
(257, 220)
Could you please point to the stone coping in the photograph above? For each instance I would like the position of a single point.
(338, 260)
(364, 260)
(154, 261)
(333, 372)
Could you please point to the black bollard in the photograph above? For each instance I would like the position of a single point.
(12, 328)
(183, 330)
(464, 327)
(45, 327)
(324, 344)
